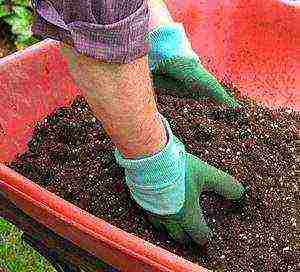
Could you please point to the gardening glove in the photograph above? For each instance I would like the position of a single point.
(168, 185)
(171, 55)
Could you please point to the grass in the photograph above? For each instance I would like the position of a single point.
(16, 255)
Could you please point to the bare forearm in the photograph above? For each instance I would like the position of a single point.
(121, 96)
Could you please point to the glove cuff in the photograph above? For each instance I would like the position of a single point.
(157, 183)
(167, 42)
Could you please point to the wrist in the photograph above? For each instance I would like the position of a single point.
(159, 14)
(157, 183)
(168, 42)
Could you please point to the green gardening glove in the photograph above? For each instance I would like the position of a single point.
(168, 186)
(188, 224)
(171, 55)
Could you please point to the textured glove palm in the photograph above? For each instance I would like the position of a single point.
(189, 224)
(171, 55)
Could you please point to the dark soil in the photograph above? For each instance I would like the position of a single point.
(71, 155)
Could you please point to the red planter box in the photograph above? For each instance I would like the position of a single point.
(254, 43)
(33, 83)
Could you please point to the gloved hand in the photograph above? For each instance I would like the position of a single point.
(171, 55)
(169, 184)
(189, 224)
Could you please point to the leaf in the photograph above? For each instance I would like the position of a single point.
(22, 42)
(22, 12)
(21, 2)
(3, 11)
(9, 19)
(23, 37)
(20, 17)
(17, 26)
(19, 20)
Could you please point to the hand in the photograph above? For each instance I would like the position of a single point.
(188, 224)
(171, 55)
(196, 80)
(168, 185)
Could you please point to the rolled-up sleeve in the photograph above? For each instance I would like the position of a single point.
(114, 31)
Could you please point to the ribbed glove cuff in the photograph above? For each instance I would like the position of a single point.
(168, 42)
(157, 183)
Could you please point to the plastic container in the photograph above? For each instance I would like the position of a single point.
(254, 44)
(35, 81)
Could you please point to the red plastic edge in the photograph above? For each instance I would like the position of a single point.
(112, 245)
(31, 70)
(35, 81)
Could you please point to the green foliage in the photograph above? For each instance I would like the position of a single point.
(19, 15)
(17, 256)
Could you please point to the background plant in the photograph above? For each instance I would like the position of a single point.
(19, 15)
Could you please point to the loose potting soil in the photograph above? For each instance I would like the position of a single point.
(71, 155)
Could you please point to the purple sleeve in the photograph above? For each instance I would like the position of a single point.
(115, 31)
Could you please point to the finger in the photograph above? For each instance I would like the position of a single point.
(224, 184)
(218, 181)
(196, 227)
(168, 85)
(199, 81)
(155, 222)
(171, 228)
(177, 232)
(213, 88)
